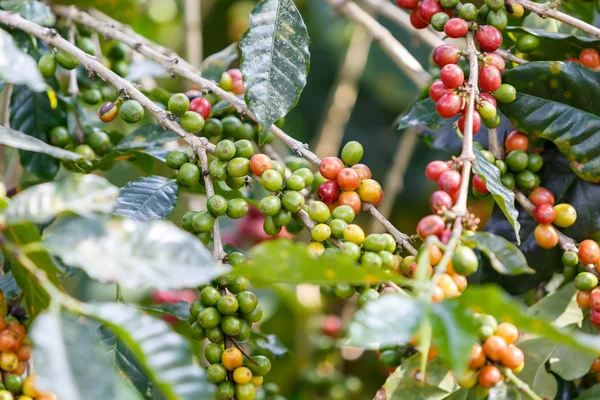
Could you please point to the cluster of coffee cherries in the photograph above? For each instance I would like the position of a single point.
(520, 166)
(496, 350)
(586, 282)
(588, 57)
(324, 379)
(224, 314)
(455, 19)
(550, 216)
(15, 352)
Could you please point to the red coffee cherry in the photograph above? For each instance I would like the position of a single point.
(595, 317)
(488, 97)
(595, 299)
(445, 54)
(452, 76)
(437, 90)
(541, 196)
(546, 236)
(330, 167)
(489, 38)
(516, 141)
(589, 252)
(429, 8)
(489, 376)
(544, 214)
(435, 169)
(590, 58)
(363, 171)
(439, 201)
(407, 4)
(329, 192)
(449, 181)
(201, 106)
(348, 179)
(476, 122)
(489, 78)
(235, 73)
(449, 105)
(332, 325)
(479, 184)
(445, 236)
(496, 60)
(260, 163)
(456, 27)
(430, 225)
(417, 20)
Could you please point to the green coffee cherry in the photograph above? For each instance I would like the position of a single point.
(352, 153)
(178, 103)
(66, 60)
(175, 159)
(131, 111)
(60, 136)
(237, 208)
(213, 127)
(528, 43)
(47, 65)
(91, 96)
(225, 150)
(192, 121)
(189, 175)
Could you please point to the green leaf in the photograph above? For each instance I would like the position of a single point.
(560, 307)
(572, 364)
(591, 394)
(504, 197)
(504, 256)
(553, 45)
(143, 158)
(146, 136)
(422, 113)
(36, 298)
(32, 10)
(389, 320)
(490, 299)
(402, 384)
(21, 141)
(284, 261)
(165, 356)
(270, 343)
(79, 194)
(537, 351)
(8, 285)
(151, 254)
(179, 310)
(275, 61)
(214, 65)
(554, 102)
(18, 68)
(70, 361)
(151, 197)
(32, 114)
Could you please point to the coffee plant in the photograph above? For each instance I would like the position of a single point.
(235, 228)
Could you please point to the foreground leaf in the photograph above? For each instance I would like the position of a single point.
(504, 256)
(284, 261)
(504, 198)
(63, 351)
(80, 194)
(21, 141)
(275, 61)
(214, 65)
(152, 254)
(267, 342)
(554, 102)
(146, 136)
(32, 10)
(151, 197)
(560, 307)
(165, 356)
(17, 67)
(537, 351)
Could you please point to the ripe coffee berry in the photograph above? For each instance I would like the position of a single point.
(456, 27)
(348, 179)
(495, 60)
(429, 8)
(488, 97)
(590, 58)
(546, 236)
(329, 192)
(370, 191)
(437, 90)
(430, 225)
(589, 252)
(476, 122)
(445, 54)
(435, 169)
(407, 4)
(202, 106)
(449, 181)
(452, 76)
(479, 184)
(417, 20)
(440, 201)
(489, 78)
(489, 38)
(259, 163)
(449, 105)
(330, 167)
(516, 141)
(544, 214)
(351, 199)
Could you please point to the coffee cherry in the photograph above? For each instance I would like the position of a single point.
(506, 93)
(516, 141)
(495, 347)
(232, 358)
(449, 181)
(295, 182)
(253, 316)
(270, 205)
(534, 162)
(351, 199)
(528, 43)
(439, 20)
(192, 121)
(60, 136)
(244, 148)
(201, 106)
(91, 96)
(416, 19)
(566, 215)
(437, 90)
(544, 214)
(131, 111)
(329, 191)
(516, 160)
(440, 201)
(583, 299)
(363, 171)
(489, 78)
(479, 184)
(218, 170)
(508, 332)
(292, 201)
(445, 54)
(495, 60)
(354, 233)
(178, 103)
(47, 65)
(487, 110)
(344, 213)
(237, 208)
(213, 127)
(407, 4)
(260, 163)
(232, 126)
(330, 167)
(595, 317)
(320, 232)
(513, 357)
(589, 252)
(348, 179)
(189, 175)
(586, 281)
(489, 38)
(452, 76)
(306, 175)
(429, 8)
(203, 221)
(476, 122)
(435, 169)
(456, 27)
(468, 12)
(508, 180)
(238, 167)
(225, 150)
(546, 236)
(217, 205)
(66, 60)
(449, 105)
(594, 299)
(514, 9)
(107, 111)
(590, 58)
(464, 261)
(430, 225)
(352, 153)
(489, 98)
(369, 191)
(271, 180)
(318, 211)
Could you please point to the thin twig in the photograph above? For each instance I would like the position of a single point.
(6, 96)
(401, 238)
(235, 343)
(507, 55)
(494, 145)
(73, 86)
(546, 11)
(522, 386)
(392, 47)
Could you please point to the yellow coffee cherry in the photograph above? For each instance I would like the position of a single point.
(257, 380)
(242, 375)
(9, 361)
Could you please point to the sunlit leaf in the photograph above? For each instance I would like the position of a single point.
(17, 67)
(149, 197)
(504, 256)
